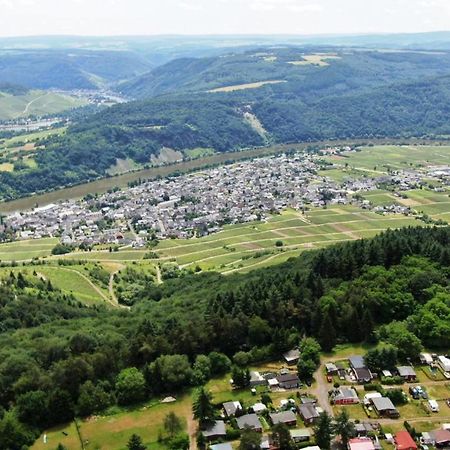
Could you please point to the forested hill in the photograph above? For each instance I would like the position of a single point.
(339, 95)
(69, 69)
(393, 289)
(313, 69)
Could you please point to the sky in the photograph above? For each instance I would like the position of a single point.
(153, 17)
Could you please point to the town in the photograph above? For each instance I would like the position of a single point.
(201, 203)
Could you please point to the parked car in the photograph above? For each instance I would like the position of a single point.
(448, 402)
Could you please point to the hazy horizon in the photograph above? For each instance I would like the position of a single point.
(95, 18)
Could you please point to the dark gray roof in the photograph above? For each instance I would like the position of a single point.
(249, 420)
(283, 417)
(308, 411)
(216, 429)
(345, 392)
(292, 355)
(231, 408)
(288, 377)
(406, 371)
(357, 362)
(383, 404)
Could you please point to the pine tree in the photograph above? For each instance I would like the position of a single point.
(323, 431)
(203, 408)
(135, 443)
(327, 333)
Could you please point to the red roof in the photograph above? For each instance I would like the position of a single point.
(404, 441)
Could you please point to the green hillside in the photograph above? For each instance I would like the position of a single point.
(35, 103)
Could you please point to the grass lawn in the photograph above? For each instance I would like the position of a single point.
(355, 411)
(66, 435)
(112, 432)
(26, 250)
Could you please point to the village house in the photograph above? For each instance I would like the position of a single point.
(232, 408)
(426, 358)
(291, 357)
(308, 413)
(286, 417)
(249, 421)
(407, 373)
(223, 446)
(345, 396)
(441, 438)
(404, 441)
(384, 407)
(288, 381)
(361, 443)
(256, 379)
(259, 408)
(215, 431)
(300, 434)
(360, 371)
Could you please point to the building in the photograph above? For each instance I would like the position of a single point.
(287, 417)
(224, 446)
(259, 408)
(232, 408)
(361, 443)
(345, 396)
(300, 434)
(441, 437)
(288, 381)
(444, 363)
(308, 413)
(407, 373)
(360, 371)
(292, 356)
(426, 358)
(370, 396)
(404, 441)
(249, 421)
(256, 379)
(215, 431)
(385, 407)
(331, 369)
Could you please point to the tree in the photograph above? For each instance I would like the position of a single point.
(282, 437)
(130, 386)
(241, 377)
(60, 447)
(172, 424)
(250, 440)
(13, 435)
(179, 442)
(202, 407)
(92, 399)
(259, 331)
(169, 372)
(323, 431)
(220, 363)
(310, 349)
(32, 408)
(344, 427)
(135, 443)
(202, 369)
(327, 333)
(306, 369)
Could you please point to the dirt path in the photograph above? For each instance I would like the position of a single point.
(320, 391)
(96, 288)
(159, 279)
(27, 107)
(192, 431)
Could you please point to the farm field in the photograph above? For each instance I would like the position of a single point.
(240, 87)
(36, 103)
(26, 250)
(398, 157)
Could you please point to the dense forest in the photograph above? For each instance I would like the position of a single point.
(359, 95)
(60, 359)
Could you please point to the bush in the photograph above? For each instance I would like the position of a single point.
(232, 434)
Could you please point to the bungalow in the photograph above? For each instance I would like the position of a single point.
(404, 441)
(249, 421)
(292, 356)
(441, 437)
(361, 443)
(345, 396)
(407, 373)
(361, 372)
(309, 413)
(232, 408)
(259, 408)
(331, 369)
(273, 383)
(300, 434)
(370, 396)
(287, 417)
(288, 381)
(256, 379)
(215, 431)
(426, 358)
(364, 428)
(224, 446)
(385, 407)
(444, 363)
